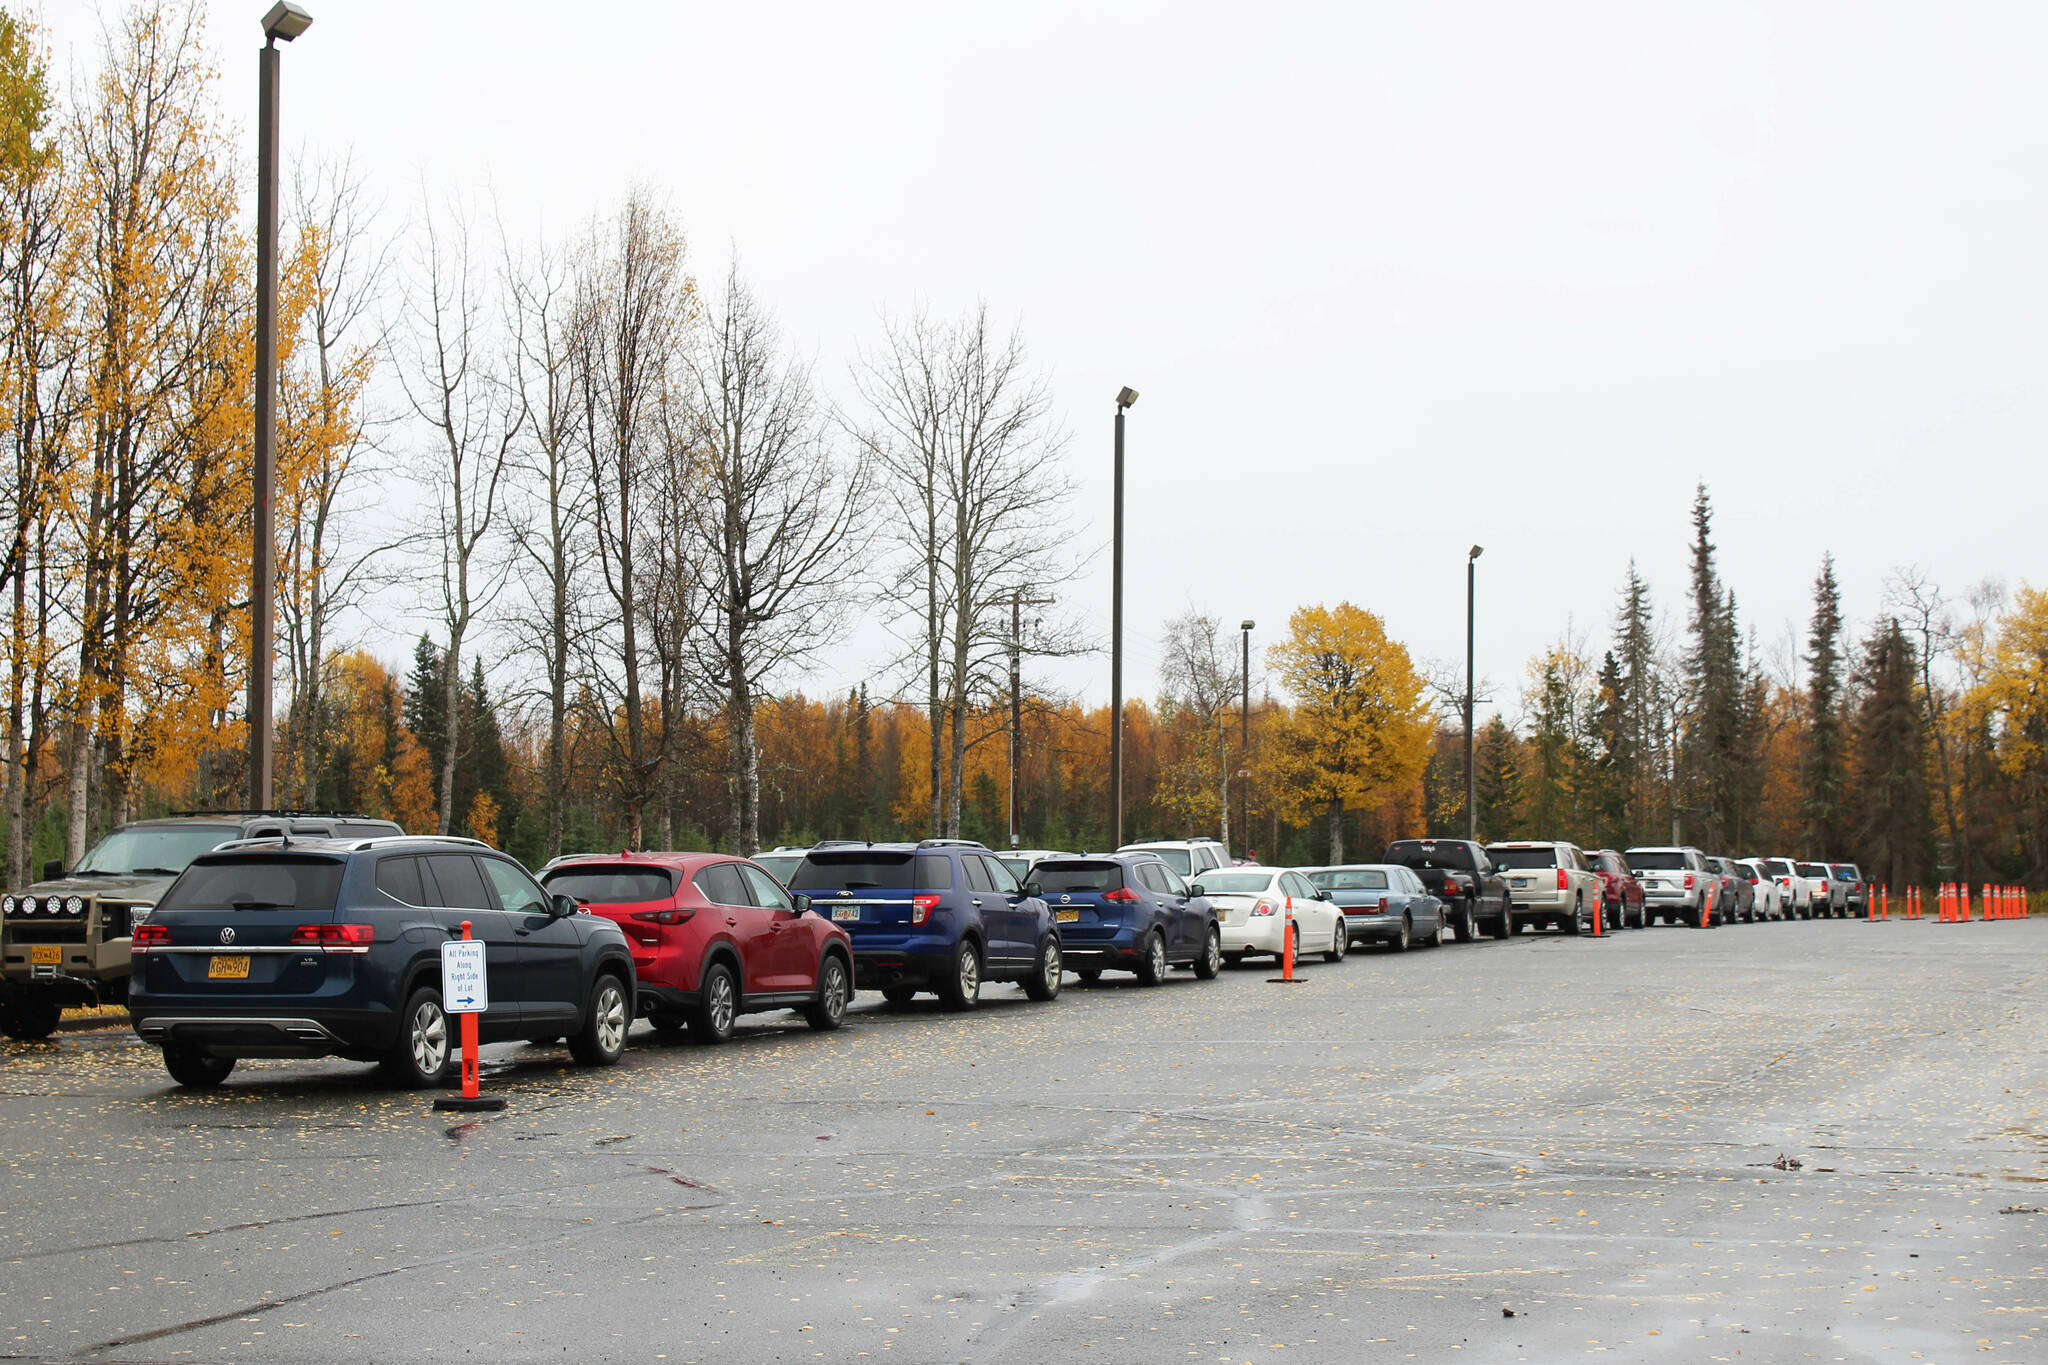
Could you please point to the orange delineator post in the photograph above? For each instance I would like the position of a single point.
(471, 1081)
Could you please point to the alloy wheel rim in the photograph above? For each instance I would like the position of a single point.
(835, 990)
(611, 1019)
(1052, 965)
(970, 972)
(1157, 956)
(1215, 951)
(429, 1038)
(721, 1003)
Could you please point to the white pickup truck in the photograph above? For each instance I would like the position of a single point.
(1548, 883)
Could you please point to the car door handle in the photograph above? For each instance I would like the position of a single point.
(976, 902)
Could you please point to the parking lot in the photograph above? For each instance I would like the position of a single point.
(1537, 1149)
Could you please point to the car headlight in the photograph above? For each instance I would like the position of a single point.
(75, 906)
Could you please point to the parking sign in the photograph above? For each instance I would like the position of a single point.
(464, 989)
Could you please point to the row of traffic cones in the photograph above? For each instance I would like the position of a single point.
(1996, 902)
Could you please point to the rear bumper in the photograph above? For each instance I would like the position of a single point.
(1115, 950)
(1259, 934)
(876, 968)
(1374, 928)
(264, 1033)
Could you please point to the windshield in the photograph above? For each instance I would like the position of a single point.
(243, 883)
(164, 850)
(1078, 876)
(1656, 860)
(778, 865)
(1349, 879)
(610, 885)
(1541, 856)
(1424, 853)
(1217, 882)
(869, 870)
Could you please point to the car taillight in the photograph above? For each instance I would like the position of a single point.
(921, 908)
(1123, 895)
(1265, 907)
(1563, 882)
(149, 936)
(335, 938)
(1383, 905)
(665, 916)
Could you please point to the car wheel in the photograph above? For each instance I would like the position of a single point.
(961, 990)
(718, 1005)
(1044, 982)
(423, 1049)
(602, 1039)
(898, 995)
(31, 1017)
(1152, 966)
(1399, 942)
(1436, 935)
(1340, 939)
(1505, 925)
(828, 1011)
(1467, 927)
(1573, 923)
(1210, 964)
(194, 1069)
(668, 1027)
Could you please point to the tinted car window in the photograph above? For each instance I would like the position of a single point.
(867, 870)
(1174, 885)
(256, 884)
(1654, 861)
(516, 891)
(1245, 883)
(721, 884)
(1055, 877)
(399, 878)
(977, 874)
(999, 871)
(1354, 880)
(1454, 857)
(1175, 858)
(1540, 856)
(610, 885)
(767, 892)
(461, 886)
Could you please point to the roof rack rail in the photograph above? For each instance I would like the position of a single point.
(386, 840)
(951, 843)
(285, 814)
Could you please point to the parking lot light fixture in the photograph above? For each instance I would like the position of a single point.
(286, 21)
(1125, 396)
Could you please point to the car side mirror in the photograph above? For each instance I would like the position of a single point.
(800, 901)
(1035, 890)
(561, 906)
(53, 870)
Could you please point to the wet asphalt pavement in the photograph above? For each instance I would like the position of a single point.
(1382, 1163)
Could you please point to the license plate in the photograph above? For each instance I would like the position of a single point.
(1066, 916)
(1519, 882)
(228, 967)
(846, 912)
(46, 955)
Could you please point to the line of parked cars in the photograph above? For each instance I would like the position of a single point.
(306, 934)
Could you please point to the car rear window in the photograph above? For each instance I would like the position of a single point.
(285, 883)
(1076, 875)
(866, 870)
(1343, 879)
(1812, 870)
(1654, 860)
(1227, 883)
(1541, 856)
(610, 885)
(1450, 857)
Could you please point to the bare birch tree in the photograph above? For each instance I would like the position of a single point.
(458, 383)
(1199, 677)
(773, 530)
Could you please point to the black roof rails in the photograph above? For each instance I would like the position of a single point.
(284, 814)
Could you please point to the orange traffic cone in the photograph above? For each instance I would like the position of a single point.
(1287, 976)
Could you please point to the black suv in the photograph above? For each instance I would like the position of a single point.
(1458, 873)
(942, 916)
(64, 940)
(332, 948)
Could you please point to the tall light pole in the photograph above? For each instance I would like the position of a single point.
(1471, 781)
(284, 21)
(1124, 398)
(1244, 775)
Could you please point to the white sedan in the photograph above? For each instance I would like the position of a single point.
(1254, 906)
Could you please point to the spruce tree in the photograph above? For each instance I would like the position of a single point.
(1822, 772)
(425, 707)
(1710, 749)
(1635, 656)
(1497, 759)
(1614, 758)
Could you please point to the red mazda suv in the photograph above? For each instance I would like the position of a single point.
(713, 937)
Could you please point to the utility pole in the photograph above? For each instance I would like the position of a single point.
(1244, 737)
(1124, 398)
(1018, 601)
(1471, 777)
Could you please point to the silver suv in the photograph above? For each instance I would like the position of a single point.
(1676, 883)
(1189, 857)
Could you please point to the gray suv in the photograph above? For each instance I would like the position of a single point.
(64, 941)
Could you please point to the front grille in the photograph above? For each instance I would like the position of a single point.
(46, 931)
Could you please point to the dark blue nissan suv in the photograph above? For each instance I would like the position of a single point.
(332, 948)
(942, 915)
(1129, 912)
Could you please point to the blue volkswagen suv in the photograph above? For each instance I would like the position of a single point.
(942, 915)
(1129, 912)
(332, 948)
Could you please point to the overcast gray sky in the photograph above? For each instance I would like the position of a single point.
(1391, 278)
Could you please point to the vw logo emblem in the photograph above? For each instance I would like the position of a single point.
(1064, 899)
(227, 935)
